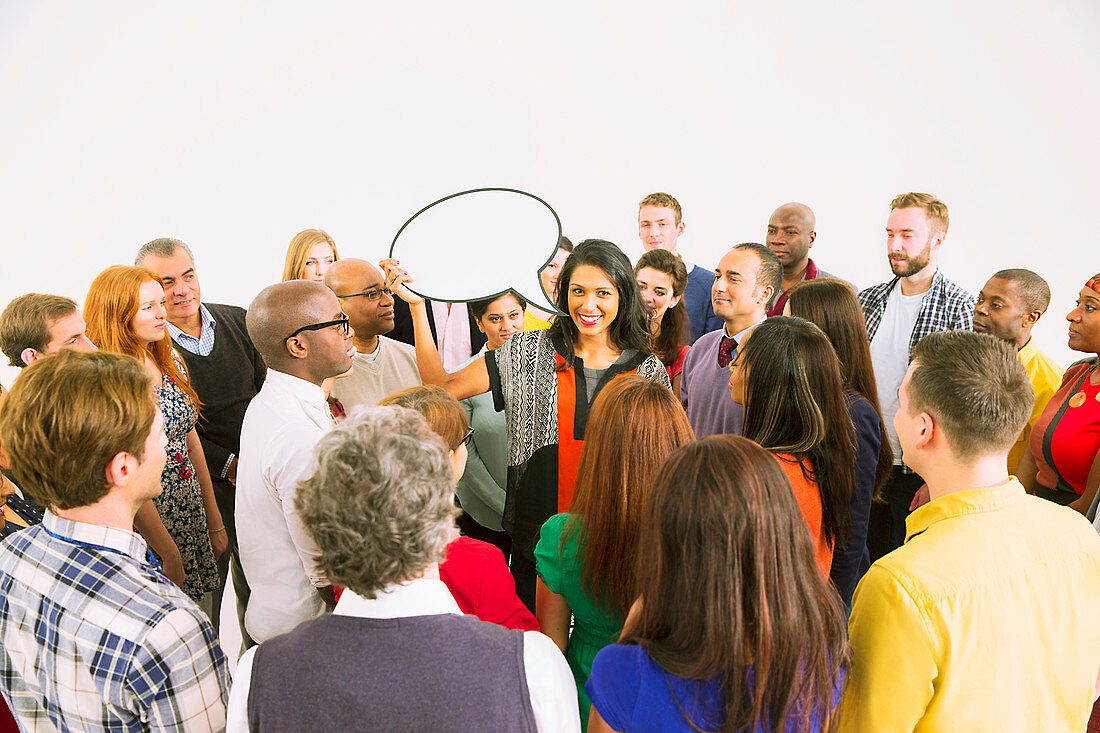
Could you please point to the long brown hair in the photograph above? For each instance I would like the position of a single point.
(794, 403)
(109, 311)
(833, 307)
(729, 588)
(634, 425)
(674, 323)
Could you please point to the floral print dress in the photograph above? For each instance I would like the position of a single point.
(180, 502)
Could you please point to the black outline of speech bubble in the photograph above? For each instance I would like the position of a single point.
(493, 296)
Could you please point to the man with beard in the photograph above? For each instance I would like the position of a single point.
(918, 301)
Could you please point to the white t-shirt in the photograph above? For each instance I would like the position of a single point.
(890, 355)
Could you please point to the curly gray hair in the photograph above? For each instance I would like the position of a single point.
(380, 505)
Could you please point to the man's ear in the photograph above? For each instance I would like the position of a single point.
(927, 431)
(766, 294)
(1031, 318)
(29, 356)
(297, 348)
(119, 469)
(679, 229)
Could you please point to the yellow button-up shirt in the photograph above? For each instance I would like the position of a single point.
(986, 619)
(1046, 378)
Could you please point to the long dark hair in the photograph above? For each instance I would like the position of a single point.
(794, 403)
(729, 587)
(628, 330)
(674, 323)
(832, 306)
(635, 424)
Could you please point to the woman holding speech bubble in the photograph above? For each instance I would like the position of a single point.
(545, 381)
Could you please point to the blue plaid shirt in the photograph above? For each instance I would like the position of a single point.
(946, 307)
(95, 637)
(204, 344)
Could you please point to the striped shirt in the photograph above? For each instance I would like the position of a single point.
(95, 636)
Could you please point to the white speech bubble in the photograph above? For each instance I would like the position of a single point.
(480, 244)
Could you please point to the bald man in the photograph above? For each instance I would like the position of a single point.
(382, 365)
(790, 236)
(304, 338)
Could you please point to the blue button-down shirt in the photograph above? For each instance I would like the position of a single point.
(204, 344)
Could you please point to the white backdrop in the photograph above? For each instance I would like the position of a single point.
(234, 126)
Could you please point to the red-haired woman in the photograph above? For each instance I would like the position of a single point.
(734, 628)
(585, 558)
(125, 314)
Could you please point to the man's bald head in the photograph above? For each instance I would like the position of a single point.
(791, 234)
(280, 310)
(360, 287)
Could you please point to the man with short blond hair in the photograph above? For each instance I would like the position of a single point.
(985, 618)
(93, 634)
(37, 324)
(660, 224)
(918, 301)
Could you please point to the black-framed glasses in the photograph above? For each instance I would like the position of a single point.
(468, 438)
(372, 295)
(342, 322)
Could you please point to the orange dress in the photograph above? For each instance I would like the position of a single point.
(809, 501)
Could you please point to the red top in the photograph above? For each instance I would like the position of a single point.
(1066, 446)
(475, 573)
(808, 497)
(678, 366)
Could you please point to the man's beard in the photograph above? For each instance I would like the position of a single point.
(912, 265)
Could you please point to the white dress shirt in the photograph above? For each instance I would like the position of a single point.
(281, 428)
(553, 691)
(452, 331)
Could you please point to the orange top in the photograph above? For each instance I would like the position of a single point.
(809, 501)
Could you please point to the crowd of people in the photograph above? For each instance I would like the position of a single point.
(743, 497)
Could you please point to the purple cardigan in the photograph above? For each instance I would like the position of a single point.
(705, 390)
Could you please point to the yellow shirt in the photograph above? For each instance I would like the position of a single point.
(1046, 378)
(984, 620)
(531, 322)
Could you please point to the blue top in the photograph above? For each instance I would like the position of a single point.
(701, 316)
(852, 560)
(633, 694)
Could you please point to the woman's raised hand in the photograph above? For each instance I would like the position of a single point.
(396, 279)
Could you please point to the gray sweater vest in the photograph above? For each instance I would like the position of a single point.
(420, 673)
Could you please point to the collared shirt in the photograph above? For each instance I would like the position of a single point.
(983, 620)
(204, 344)
(812, 273)
(279, 435)
(96, 637)
(452, 328)
(1046, 378)
(944, 307)
(549, 681)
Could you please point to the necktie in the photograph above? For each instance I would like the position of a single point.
(725, 351)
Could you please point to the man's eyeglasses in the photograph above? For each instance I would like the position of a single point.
(342, 322)
(468, 438)
(371, 295)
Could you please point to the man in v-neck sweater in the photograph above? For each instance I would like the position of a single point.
(225, 371)
(748, 277)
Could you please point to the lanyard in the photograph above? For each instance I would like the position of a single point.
(150, 556)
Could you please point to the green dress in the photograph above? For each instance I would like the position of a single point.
(593, 626)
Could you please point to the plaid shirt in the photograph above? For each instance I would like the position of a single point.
(204, 344)
(95, 637)
(946, 307)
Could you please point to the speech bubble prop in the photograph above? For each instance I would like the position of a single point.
(480, 244)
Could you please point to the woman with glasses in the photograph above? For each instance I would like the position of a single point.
(474, 571)
(125, 314)
(546, 381)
